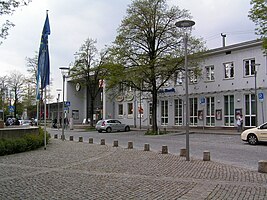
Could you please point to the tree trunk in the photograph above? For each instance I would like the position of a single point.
(92, 105)
(154, 110)
(87, 105)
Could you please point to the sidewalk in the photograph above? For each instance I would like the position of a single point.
(72, 170)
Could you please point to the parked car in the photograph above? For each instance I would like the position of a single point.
(25, 122)
(255, 135)
(110, 125)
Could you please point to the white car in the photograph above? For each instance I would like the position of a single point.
(255, 135)
(110, 125)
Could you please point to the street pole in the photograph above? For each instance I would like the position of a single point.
(184, 24)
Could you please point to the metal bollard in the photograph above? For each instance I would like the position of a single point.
(55, 136)
(146, 147)
(164, 149)
(130, 145)
(206, 156)
(91, 140)
(102, 142)
(115, 143)
(80, 139)
(71, 138)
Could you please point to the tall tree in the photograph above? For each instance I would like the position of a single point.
(16, 86)
(149, 48)
(87, 71)
(8, 7)
(258, 14)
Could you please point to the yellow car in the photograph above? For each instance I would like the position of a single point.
(255, 135)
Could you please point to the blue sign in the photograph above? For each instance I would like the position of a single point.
(202, 100)
(67, 103)
(261, 96)
(11, 108)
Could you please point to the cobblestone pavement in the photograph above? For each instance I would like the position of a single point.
(75, 170)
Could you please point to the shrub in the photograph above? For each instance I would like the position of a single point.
(25, 143)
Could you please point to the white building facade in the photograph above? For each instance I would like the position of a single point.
(230, 77)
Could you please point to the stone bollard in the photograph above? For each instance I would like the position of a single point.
(91, 140)
(115, 143)
(130, 145)
(146, 147)
(71, 138)
(164, 149)
(102, 142)
(80, 139)
(206, 156)
(262, 166)
(183, 152)
(55, 136)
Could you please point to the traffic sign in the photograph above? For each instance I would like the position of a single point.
(261, 96)
(202, 100)
(67, 103)
(11, 108)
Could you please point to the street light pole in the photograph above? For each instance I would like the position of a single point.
(58, 96)
(64, 71)
(184, 24)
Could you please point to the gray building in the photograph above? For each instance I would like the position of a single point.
(230, 77)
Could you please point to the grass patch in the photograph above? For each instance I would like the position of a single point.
(159, 132)
(25, 143)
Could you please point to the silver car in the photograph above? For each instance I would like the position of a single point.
(110, 125)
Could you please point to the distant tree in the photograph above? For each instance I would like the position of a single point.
(87, 71)
(16, 82)
(8, 7)
(258, 14)
(148, 49)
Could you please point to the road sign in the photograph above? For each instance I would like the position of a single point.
(11, 108)
(67, 103)
(202, 100)
(261, 96)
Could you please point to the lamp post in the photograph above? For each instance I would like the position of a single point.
(256, 96)
(64, 71)
(186, 24)
(58, 96)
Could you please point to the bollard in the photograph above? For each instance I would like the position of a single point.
(115, 143)
(71, 138)
(183, 152)
(91, 140)
(262, 166)
(80, 139)
(130, 145)
(206, 156)
(146, 147)
(62, 137)
(164, 149)
(55, 136)
(102, 142)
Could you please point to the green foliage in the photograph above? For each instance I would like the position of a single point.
(258, 14)
(151, 132)
(25, 143)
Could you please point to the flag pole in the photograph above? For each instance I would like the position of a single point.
(45, 119)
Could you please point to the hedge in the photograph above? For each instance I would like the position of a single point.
(25, 143)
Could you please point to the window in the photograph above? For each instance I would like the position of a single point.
(210, 73)
(75, 114)
(130, 109)
(250, 110)
(178, 112)
(120, 109)
(179, 78)
(210, 118)
(229, 112)
(249, 67)
(150, 113)
(228, 70)
(164, 112)
(193, 115)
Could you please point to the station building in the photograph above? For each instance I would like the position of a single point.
(233, 82)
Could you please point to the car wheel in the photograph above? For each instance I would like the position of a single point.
(108, 130)
(127, 128)
(252, 139)
(99, 131)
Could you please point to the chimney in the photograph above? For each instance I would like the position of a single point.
(223, 39)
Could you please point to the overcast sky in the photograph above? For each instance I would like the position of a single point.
(72, 21)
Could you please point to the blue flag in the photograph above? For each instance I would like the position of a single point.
(43, 70)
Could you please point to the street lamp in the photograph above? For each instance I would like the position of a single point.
(64, 71)
(186, 24)
(58, 96)
(256, 97)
